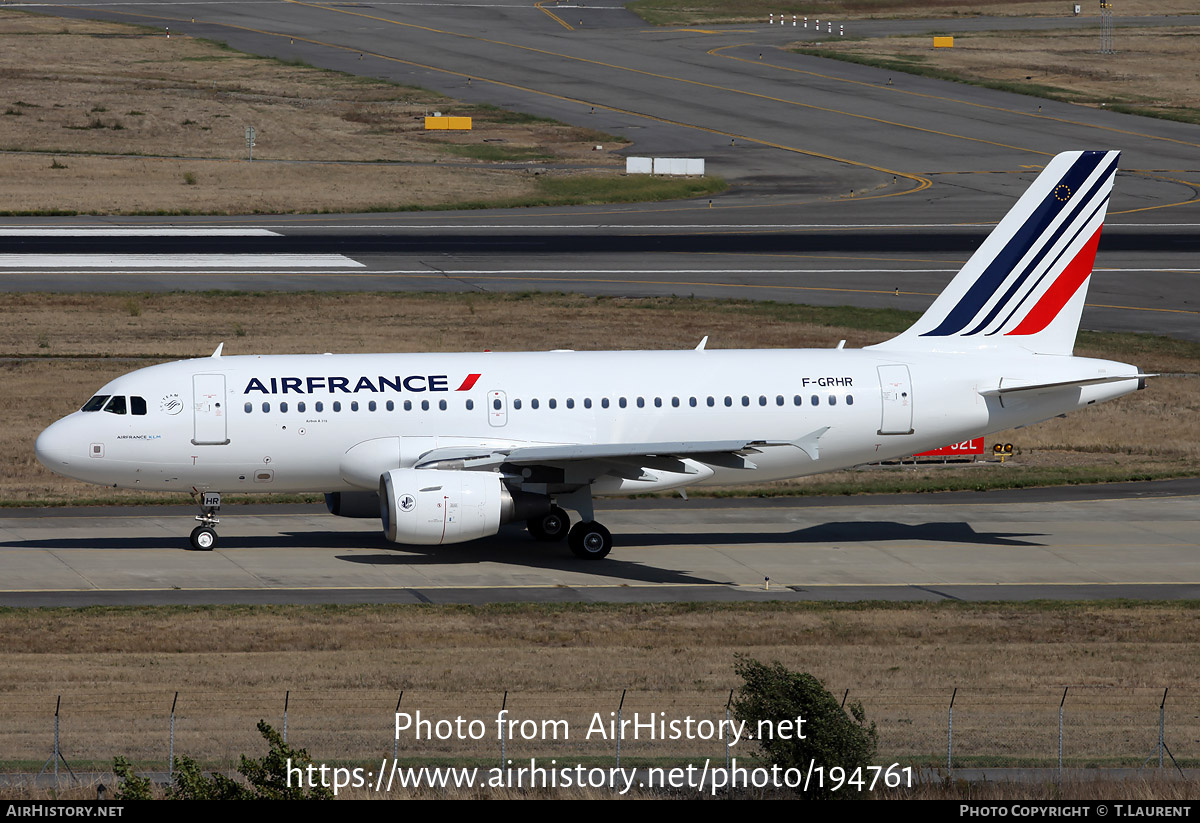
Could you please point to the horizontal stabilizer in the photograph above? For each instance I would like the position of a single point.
(1035, 387)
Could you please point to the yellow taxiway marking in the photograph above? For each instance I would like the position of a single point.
(805, 584)
(553, 16)
(922, 182)
(716, 53)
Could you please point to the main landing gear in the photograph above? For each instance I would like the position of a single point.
(549, 527)
(588, 540)
(204, 536)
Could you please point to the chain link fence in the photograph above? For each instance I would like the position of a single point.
(1072, 727)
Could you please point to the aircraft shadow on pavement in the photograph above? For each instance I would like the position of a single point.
(511, 548)
(853, 531)
(517, 549)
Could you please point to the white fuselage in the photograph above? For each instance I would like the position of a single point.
(327, 423)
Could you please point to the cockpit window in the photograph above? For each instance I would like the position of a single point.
(116, 405)
(137, 405)
(96, 403)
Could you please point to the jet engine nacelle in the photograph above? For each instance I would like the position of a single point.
(429, 507)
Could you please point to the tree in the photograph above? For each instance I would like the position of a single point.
(771, 699)
(266, 779)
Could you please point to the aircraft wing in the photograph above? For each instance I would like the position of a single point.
(723, 453)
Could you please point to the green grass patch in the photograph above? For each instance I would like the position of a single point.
(1176, 113)
(581, 190)
(907, 64)
(495, 153)
(585, 189)
(495, 114)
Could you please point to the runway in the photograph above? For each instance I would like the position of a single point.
(1137, 541)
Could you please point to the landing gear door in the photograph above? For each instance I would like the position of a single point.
(895, 388)
(497, 408)
(210, 410)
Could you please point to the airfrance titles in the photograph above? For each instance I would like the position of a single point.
(353, 385)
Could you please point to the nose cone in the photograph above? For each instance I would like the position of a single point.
(54, 447)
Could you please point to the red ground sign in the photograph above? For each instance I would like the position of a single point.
(973, 446)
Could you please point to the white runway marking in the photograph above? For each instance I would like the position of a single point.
(168, 262)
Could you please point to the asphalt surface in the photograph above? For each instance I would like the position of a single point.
(1135, 541)
(849, 185)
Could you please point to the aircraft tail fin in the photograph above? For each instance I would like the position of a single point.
(1025, 286)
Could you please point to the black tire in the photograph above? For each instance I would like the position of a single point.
(590, 541)
(204, 538)
(549, 527)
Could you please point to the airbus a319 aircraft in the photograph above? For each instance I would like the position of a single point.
(446, 448)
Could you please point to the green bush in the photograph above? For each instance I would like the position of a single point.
(266, 779)
(771, 695)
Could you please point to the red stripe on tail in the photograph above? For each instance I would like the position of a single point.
(1052, 302)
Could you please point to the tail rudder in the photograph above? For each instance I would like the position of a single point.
(1026, 285)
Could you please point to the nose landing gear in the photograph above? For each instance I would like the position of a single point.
(204, 536)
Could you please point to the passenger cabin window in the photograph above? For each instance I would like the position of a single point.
(96, 403)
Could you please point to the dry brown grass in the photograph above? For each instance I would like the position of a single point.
(61, 348)
(74, 88)
(346, 666)
(1154, 69)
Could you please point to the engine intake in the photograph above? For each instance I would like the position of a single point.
(430, 507)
